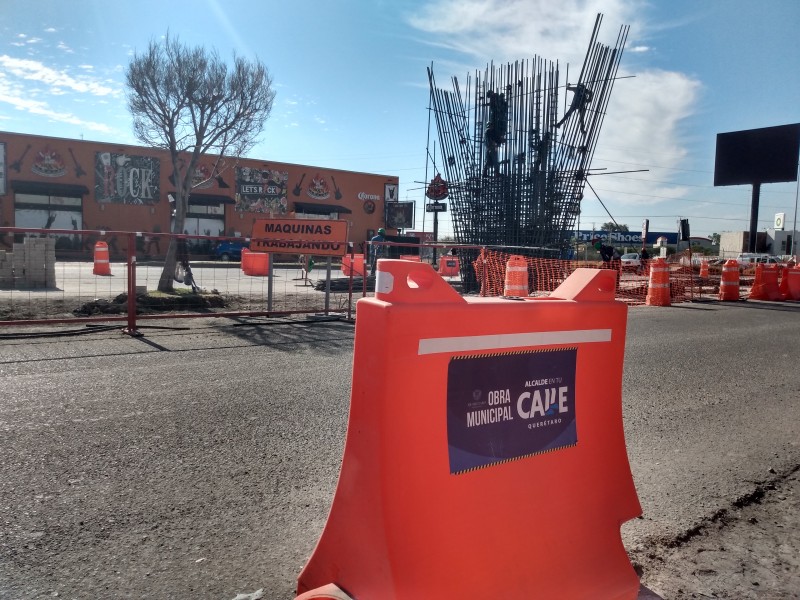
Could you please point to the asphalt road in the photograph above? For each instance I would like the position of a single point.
(200, 462)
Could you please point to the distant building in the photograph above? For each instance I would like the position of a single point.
(55, 183)
(702, 242)
(779, 242)
(771, 241)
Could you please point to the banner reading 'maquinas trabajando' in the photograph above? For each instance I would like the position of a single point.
(315, 237)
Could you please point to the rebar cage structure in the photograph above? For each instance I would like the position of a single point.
(516, 165)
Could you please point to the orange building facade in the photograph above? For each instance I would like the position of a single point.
(58, 183)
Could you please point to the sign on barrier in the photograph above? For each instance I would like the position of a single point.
(317, 237)
(497, 411)
(485, 453)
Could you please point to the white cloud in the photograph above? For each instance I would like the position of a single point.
(31, 87)
(645, 114)
(641, 130)
(37, 107)
(31, 70)
(508, 30)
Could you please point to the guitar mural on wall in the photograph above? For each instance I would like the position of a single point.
(79, 172)
(299, 187)
(318, 188)
(337, 193)
(49, 163)
(17, 164)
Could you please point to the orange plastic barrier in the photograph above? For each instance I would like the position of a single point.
(765, 286)
(658, 286)
(449, 266)
(326, 592)
(255, 264)
(500, 469)
(704, 269)
(412, 257)
(516, 277)
(729, 281)
(102, 261)
(356, 266)
(791, 277)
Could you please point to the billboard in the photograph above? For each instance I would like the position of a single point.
(400, 215)
(767, 155)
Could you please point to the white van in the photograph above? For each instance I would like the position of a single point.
(749, 259)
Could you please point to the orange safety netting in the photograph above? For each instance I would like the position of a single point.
(546, 274)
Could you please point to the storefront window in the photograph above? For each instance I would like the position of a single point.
(50, 212)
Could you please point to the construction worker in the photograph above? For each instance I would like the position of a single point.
(376, 249)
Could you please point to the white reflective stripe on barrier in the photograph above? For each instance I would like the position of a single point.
(511, 340)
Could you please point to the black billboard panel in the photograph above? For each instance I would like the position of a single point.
(400, 215)
(767, 155)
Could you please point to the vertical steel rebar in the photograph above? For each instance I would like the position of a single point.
(531, 198)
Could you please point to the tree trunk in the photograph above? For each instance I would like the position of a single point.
(166, 281)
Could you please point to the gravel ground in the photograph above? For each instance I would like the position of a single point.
(199, 461)
(747, 551)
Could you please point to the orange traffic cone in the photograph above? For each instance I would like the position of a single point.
(102, 262)
(516, 277)
(729, 283)
(658, 286)
(704, 269)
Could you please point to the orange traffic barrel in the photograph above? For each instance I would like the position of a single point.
(765, 286)
(704, 269)
(449, 266)
(102, 262)
(516, 283)
(658, 293)
(354, 266)
(439, 475)
(792, 285)
(729, 282)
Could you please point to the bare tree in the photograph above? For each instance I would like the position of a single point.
(189, 102)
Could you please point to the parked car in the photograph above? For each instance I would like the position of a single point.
(631, 261)
(228, 250)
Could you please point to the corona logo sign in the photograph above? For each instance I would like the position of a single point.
(316, 237)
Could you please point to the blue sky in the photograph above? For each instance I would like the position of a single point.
(351, 83)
